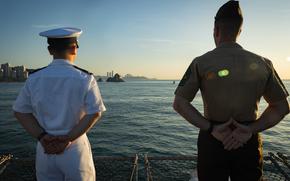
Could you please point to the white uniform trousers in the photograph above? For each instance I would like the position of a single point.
(74, 164)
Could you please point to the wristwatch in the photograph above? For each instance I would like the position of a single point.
(41, 135)
(210, 129)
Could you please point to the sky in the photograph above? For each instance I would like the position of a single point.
(153, 38)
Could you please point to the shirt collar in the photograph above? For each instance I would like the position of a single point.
(61, 62)
(229, 45)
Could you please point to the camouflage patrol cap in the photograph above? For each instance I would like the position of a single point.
(229, 11)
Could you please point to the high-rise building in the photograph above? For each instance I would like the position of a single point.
(20, 72)
(7, 70)
(8, 73)
(25, 74)
(1, 74)
(14, 75)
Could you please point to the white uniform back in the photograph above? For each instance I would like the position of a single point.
(58, 96)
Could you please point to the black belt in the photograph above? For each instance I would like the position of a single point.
(232, 126)
(240, 122)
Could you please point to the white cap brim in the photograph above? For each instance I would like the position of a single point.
(67, 32)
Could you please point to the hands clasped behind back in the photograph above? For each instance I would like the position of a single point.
(55, 144)
(232, 134)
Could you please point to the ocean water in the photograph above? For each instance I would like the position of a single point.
(139, 119)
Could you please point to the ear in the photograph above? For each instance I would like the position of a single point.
(73, 51)
(240, 31)
(216, 31)
(50, 50)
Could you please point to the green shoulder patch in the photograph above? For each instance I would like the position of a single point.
(185, 77)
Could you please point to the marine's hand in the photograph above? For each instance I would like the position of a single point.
(231, 143)
(240, 135)
(220, 132)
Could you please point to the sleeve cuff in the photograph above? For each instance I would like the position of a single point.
(22, 110)
(99, 109)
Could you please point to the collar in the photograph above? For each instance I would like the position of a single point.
(229, 45)
(61, 62)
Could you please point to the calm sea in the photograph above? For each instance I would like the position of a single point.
(139, 119)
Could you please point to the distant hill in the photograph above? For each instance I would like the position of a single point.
(134, 78)
(128, 77)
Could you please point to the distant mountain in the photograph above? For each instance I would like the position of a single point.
(136, 78)
(127, 77)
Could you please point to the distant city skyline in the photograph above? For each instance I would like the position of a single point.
(10, 73)
(21, 72)
(152, 38)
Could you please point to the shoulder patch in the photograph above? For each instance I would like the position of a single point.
(83, 70)
(185, 77)
(36, 70)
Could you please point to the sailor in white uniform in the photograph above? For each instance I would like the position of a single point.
(58, 105)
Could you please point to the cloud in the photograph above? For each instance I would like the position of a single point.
(46, 26)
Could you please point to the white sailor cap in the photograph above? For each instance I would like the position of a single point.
(62, 38)
(66, 32)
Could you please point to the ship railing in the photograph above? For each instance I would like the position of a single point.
(276, 167)
(129, 168)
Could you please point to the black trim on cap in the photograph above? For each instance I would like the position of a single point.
(62, 43)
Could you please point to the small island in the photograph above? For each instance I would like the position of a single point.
(111, 77)
(100, 80)
(115, 78)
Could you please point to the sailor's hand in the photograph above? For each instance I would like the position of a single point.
(240, 136)
(220, 132)
(63, 142)
(54, 144)
(48, 142)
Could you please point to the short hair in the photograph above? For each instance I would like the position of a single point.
(229, 27)
(57, 49)
(61, 44)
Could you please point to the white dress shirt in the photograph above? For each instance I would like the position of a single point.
(59, 96)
